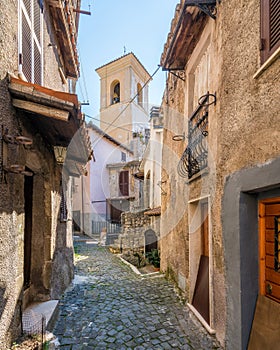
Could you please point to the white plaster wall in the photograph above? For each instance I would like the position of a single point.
(153, 162)
(105, 152)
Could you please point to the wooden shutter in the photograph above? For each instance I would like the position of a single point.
(270, 28)
(26, 44)
(37, 70)
(123, 183)
(30, 49)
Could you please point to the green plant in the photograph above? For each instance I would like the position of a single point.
(46, 345)
(154, 257)
(139, 258)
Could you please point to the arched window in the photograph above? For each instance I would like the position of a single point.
(139, 94)
(115, 92)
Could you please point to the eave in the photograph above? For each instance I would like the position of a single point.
(186, 29)
(65, 24)
(56, 116)
(153, 212)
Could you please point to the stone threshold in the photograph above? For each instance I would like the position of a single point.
(137, 272)
(201, 319)
(39, 315)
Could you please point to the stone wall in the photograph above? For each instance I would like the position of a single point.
(243, 134)
(174, 225)
(52, 252)
(133, 229)
(248, 129)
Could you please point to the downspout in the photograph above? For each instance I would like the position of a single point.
(83, 219)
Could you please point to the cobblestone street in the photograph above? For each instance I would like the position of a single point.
(110, 307)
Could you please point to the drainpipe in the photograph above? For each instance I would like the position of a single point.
(83, 220)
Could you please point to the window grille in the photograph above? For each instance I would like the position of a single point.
(195, 156)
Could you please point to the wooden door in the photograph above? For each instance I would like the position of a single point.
(201, 292)
(269, 225)
(124, 183)
(205, 230)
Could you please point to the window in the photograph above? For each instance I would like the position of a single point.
(123, 156)
(30, 40)
(123, 183)
(270, 28)
(115, 92)
(139, 94)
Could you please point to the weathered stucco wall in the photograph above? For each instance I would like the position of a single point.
(243, 133)
(173, 228)
(52, 253)
(248, 130)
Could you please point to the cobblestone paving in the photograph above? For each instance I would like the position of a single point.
(113, 308)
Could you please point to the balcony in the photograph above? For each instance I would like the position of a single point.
(195, 156)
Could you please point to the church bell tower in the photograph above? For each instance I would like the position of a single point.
(124, 105)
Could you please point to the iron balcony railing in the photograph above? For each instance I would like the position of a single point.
(195, 156)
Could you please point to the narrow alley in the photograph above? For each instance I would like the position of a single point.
(110, 307)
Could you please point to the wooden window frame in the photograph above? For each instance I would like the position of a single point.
(124, 183)
(268, 48)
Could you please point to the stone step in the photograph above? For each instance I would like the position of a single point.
(38, 316)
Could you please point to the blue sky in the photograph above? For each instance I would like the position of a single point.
(139, 26)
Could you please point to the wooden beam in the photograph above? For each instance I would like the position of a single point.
(41, 110)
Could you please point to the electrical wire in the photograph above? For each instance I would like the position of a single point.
(115, 126)
(84, 88)
(132, 99)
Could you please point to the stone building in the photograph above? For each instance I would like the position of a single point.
(124, 99)
(221, 153)
(96, 197)
(39, 117)
(141, 226)
(119, 143)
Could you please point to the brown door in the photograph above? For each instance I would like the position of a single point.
(123, 183)
(201, 292)
(269, 224)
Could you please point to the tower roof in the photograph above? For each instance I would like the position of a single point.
(130, 57)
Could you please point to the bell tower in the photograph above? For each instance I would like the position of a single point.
(120, 81)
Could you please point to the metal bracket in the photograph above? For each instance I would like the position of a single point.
(205, 6)
(176, 75)
(159, 183)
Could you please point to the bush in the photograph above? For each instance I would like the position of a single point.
(154, 257)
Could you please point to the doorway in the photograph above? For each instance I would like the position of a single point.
(151, 242)
(269, 248)
(201, 291)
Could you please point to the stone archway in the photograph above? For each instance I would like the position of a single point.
(151, 241)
